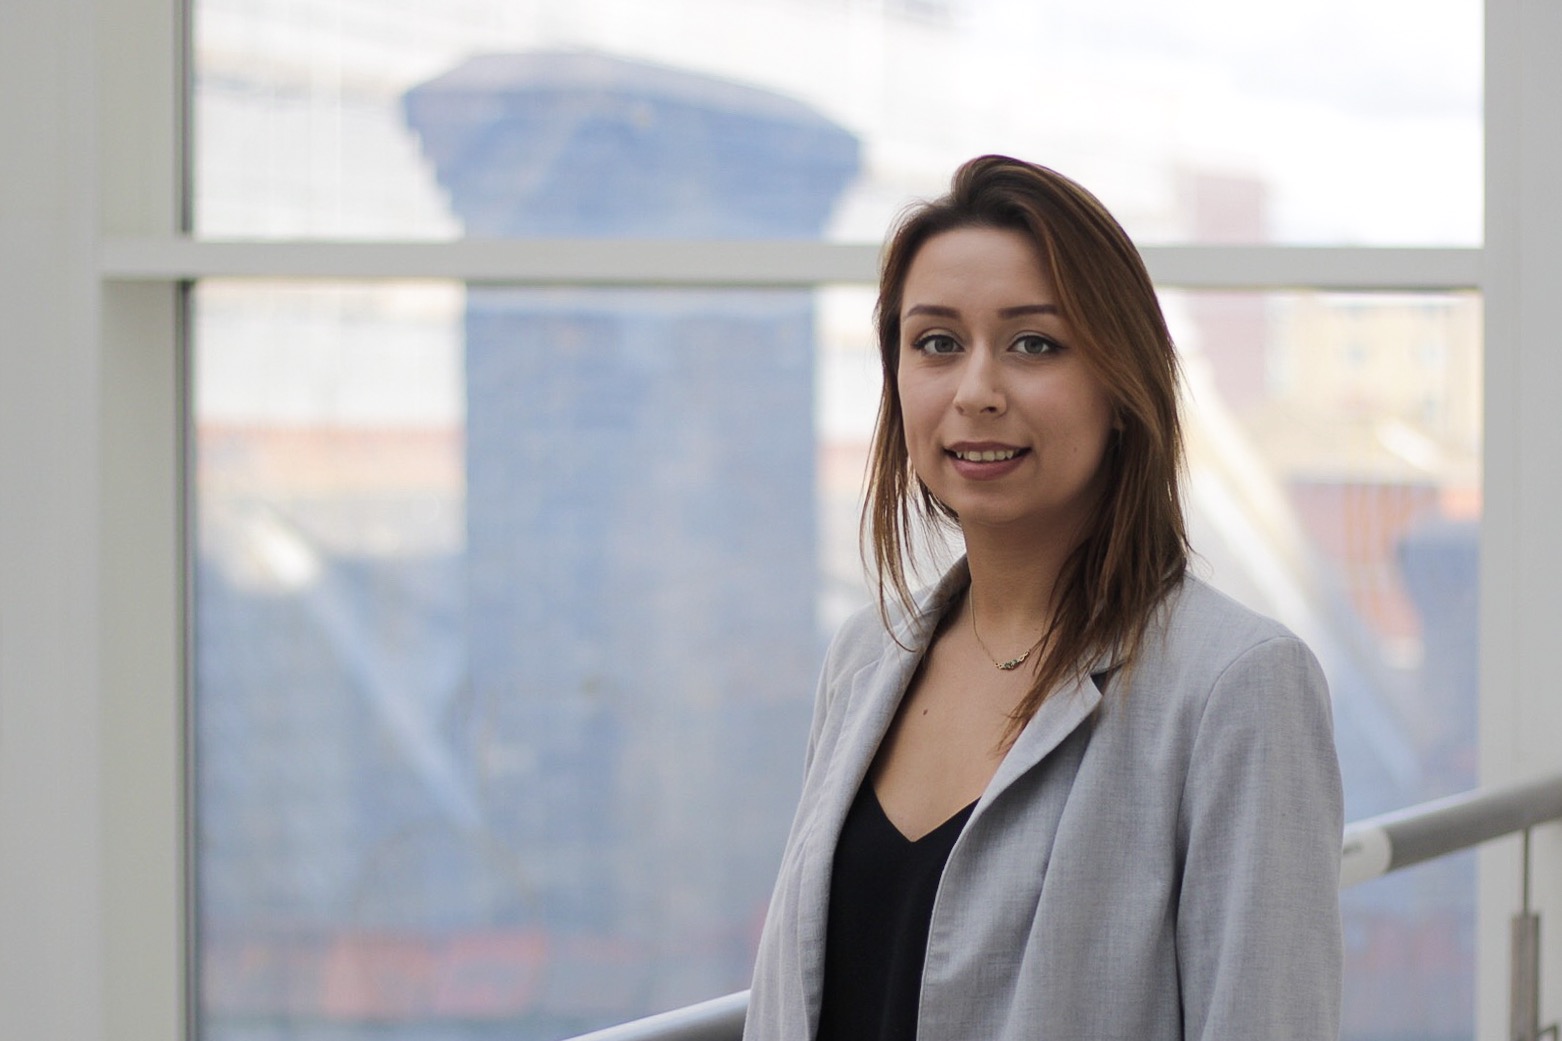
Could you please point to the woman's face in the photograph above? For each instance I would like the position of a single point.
(1003, 420)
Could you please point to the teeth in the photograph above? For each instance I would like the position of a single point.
(988, 457)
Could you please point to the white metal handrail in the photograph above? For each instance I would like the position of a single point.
(720, 1019)
(1399, 839)
(1371, 848)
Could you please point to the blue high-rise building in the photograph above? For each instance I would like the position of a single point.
(642, 568)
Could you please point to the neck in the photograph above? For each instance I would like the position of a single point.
(1012, 586)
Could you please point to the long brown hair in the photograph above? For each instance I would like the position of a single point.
(1135, 549)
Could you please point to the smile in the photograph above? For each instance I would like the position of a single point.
(998, 456)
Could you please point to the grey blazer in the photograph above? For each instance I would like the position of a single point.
(1156, 861)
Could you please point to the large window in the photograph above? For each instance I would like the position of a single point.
(1196, 121)
(509, 595)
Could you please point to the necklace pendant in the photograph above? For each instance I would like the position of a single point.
(1002, 666)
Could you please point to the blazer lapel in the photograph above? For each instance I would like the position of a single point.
(872, 696)
(1058, 717)
(875, 694)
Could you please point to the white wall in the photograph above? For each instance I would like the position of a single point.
(90, 777)
(1521, 544)
(51, 978)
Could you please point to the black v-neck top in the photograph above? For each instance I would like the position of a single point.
(881, 904)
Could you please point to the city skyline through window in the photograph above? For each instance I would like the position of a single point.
(493, 736)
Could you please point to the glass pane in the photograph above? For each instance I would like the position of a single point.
(510, 605)
(1339, 121)
(494, 738)
(1334, 482)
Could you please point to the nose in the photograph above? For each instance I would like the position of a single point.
(981, 386)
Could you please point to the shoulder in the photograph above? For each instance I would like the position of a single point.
(1203, 649)
(860, 640)
(1196, 610)
(871, 632)
(1198, 627)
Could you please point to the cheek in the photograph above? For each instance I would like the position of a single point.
(915, 415)
(1093, 416)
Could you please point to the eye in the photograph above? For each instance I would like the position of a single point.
(1035, 345)
(936, 343)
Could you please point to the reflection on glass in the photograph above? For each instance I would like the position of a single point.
(1172, 111)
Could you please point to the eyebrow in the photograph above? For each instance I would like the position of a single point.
(940, 311)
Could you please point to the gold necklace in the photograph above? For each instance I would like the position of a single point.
(1012, 663)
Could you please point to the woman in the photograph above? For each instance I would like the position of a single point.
(1072, 792)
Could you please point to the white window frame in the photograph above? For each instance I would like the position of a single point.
(94, 266)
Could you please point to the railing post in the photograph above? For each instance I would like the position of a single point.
(1524, 983)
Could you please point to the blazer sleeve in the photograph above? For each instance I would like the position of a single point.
(1258, 922)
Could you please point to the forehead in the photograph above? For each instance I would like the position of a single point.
(977, 268)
